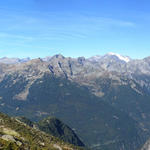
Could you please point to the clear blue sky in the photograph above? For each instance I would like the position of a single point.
(39, 28)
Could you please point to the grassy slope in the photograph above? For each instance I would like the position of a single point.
(28, 137)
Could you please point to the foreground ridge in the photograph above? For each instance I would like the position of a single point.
(15, 134)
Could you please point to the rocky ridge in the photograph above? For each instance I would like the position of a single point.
(81, 70)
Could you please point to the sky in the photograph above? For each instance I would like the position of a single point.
(39, 28)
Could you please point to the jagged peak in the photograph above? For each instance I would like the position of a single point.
(36, 60)
(81, 60)
(58, 56)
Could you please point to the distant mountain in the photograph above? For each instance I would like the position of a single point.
(6, 60)
(111, 56)
(120, 57)
(47, 58)
(95, 58)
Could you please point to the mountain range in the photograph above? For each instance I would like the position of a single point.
(104, 99)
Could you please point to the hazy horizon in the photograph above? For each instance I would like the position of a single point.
(28, 57)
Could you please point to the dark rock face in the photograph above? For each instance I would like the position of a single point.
(58, 129)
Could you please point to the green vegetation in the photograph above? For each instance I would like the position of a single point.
(15, 135)
(98, 124)
(7, 145)
(58, 129)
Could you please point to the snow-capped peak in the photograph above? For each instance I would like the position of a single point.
(123, 58)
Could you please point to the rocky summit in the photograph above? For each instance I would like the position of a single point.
(104, 99)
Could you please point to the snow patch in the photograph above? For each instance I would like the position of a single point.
(124, 58)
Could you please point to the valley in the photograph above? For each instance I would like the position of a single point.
(104, 99)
